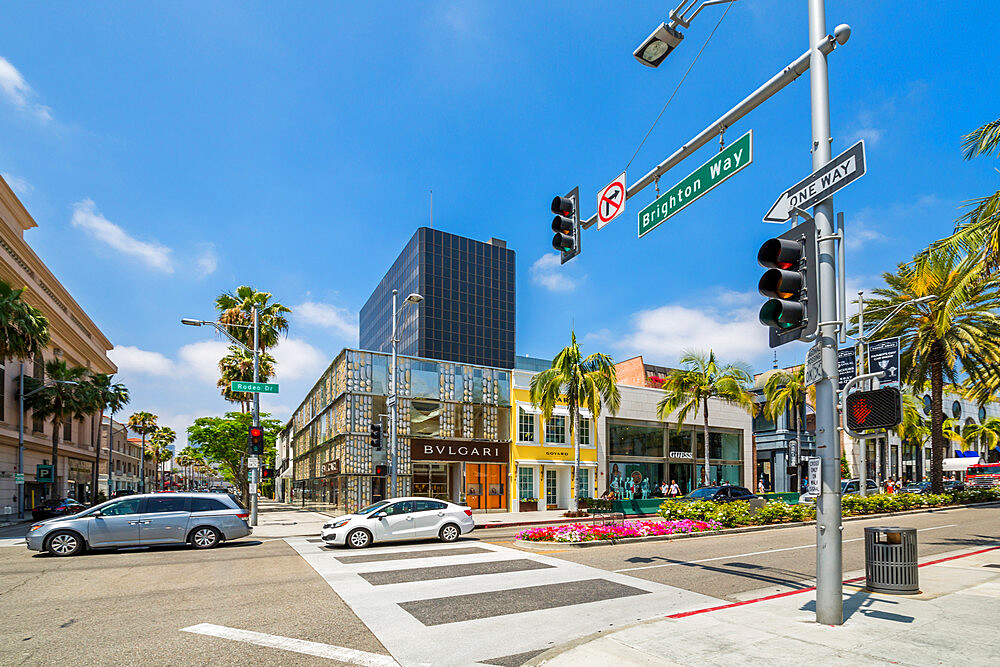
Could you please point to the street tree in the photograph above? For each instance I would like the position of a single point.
(143, 423)
(24, 329)
(237, 366)
(689, 389)
(235, 312)
(787, 390)
(159, 451)
(106, 396)
(60, 395)
(957, 332)
(580, 382)
(222, 441)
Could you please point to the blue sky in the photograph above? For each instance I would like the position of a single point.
(171, 151)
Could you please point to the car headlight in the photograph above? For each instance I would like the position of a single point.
(338, 524)
(34, 528)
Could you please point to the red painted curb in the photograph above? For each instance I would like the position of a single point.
(812, 588)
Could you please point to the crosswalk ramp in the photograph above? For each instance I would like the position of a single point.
(472, 602)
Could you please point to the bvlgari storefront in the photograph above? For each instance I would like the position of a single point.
(472, 473)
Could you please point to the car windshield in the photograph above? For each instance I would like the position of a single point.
(984, 470)
(373, 508)
(704, 492)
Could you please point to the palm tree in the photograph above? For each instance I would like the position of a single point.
(702, 378)
(913, 429)
(987, 433)
(235, 309)
(142, 423)
(59, 396)
(978, 231)
(589, 382)
(957, 331)
(24, 330)
(237, 366)
(159, 450)
(786, 390)
(106, 396)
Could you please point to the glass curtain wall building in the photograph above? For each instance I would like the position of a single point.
(467, 315)
(454, 433)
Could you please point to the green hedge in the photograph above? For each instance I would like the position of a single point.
(740, 513)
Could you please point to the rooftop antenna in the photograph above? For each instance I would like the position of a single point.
(432, 208)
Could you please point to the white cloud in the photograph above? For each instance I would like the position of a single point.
(130, 359)
(201, 359)
(663, 334)
(327, 315)
(87, 217)
(18, 184)
(861, 234)
(870, 135)
(298, 359)
(546, 271)
(207, 262)
(17, 92)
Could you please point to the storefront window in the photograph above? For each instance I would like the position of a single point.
(629, 440)
(584, 432)
(585, 483)
(526, 483)
(731, 449)
(635, 480)
(555, 429)
(727, 474)
(680, 442)
(525, 426)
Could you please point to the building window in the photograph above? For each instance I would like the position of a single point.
(67, 430)
(584, 433)
(585, 483)
(38, 372)
(525, 426)
(555, 430)
(525, 483)
(3, 391)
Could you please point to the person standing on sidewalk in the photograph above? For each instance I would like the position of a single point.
(674, 490)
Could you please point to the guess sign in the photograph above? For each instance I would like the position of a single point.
(451, 450)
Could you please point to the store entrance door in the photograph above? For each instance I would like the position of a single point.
(485, 487)
(551, 488)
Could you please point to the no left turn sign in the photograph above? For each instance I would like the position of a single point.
(611, 201)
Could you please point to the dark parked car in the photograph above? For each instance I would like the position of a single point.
(953, 485)
(916, 487)
(53, 508)
(719, 494)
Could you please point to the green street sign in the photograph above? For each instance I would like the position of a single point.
(19, 478)
(255, 387)
(727, 162)
(43, 473)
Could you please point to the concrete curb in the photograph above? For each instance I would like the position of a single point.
(735, 531)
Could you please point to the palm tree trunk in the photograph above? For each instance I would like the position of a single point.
(573, 429)
(111, 433)
(798, 446)
(705, 428)
(55, 459)
(142, 466)
(937, 422)
(97, 460)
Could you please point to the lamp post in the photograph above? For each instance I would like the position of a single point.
(413, 298)
(221, 328)
(20, 438)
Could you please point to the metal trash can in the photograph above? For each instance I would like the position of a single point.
(891, 560)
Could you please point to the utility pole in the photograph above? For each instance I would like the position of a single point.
(20, 444)
(859, 352)
(256, 412)
(393, 399)
(829, 527)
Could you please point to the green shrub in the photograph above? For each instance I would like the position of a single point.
(736, 513)
(802, 512)
(774, 511)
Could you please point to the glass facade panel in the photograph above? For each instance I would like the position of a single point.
(424, 380)
(425, 418)
(632, 440)
(635, 480)
(680, 441)
(731, 447)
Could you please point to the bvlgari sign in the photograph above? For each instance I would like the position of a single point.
(453, 450)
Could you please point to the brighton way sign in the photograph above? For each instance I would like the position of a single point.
(724, 164)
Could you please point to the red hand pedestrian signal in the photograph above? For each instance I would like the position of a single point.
(860, 412)
(880, 408)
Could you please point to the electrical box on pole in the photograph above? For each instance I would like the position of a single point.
(566, 225)
(792, 311)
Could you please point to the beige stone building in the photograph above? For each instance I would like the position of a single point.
(75, 339)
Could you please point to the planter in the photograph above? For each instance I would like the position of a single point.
(528, 505)
(583, 503)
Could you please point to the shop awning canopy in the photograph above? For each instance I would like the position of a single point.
(959, 464)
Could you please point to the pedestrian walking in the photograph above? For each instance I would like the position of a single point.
(674, 490)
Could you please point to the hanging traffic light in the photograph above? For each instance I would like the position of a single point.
(879, 408)
(376, 435)
(566, 225)
(790, 283)
(381, 470)
(256, 441)
(266, 473)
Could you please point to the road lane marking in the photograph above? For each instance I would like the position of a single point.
(756, 553)
(348, 655)
(12, 542)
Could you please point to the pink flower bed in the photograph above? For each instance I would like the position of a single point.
(585, 532)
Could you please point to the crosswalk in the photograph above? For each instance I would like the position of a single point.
(473, 602)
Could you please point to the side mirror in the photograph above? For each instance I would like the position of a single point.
(97, 514)
(379, 515)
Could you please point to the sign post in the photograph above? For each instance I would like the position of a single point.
(725, 163)
(838, 173)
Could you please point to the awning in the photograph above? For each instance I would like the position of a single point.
(529, 408)
(540, 462)
(959, 464)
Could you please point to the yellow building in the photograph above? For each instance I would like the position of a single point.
(542, 454)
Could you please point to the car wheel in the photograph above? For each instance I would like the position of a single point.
(449, 532)
(205, 538)
(65, 543)
(359, 538)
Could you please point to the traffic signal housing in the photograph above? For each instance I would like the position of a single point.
(376, 435)
(792, 309)
(566, 225)
(381, 470)
(879, 408)
(266, 473)
(256, 441)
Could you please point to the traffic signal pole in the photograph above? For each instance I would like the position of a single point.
(256, 411)
(829, 526)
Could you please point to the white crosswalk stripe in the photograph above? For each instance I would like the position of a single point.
(473, 602)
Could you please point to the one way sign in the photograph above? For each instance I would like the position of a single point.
(842, 170)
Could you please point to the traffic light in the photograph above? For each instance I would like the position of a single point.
(266, 473)
(376, 435)
(566, 225)
(879, 408)
(791, 311)
(256, 441)
(381, 470)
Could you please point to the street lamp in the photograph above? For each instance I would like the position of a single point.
(20, 438)
(221, 328)
(662, 41)
(412, 298)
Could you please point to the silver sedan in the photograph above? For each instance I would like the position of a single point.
(400, 519)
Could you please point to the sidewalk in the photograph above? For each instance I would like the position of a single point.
(953, 620)
(276, 519)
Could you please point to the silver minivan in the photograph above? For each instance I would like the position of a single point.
(202, 520)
